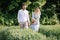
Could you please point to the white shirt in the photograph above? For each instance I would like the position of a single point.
(23, 16)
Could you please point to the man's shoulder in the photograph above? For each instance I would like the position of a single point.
(20, 10)
(27, 11)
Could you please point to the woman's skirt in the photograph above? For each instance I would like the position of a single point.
(35, 27)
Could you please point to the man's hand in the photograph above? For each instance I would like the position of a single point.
(28, 24)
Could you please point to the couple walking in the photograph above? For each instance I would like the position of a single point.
(24, 21)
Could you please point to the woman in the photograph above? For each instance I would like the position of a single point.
(35, 19)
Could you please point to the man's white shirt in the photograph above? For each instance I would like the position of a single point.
(23, 16)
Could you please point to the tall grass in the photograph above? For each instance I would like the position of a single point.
(52, 31)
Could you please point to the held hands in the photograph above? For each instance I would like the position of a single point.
(27, 23)
(33, 21)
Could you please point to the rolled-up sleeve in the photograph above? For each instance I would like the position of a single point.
(28, 19)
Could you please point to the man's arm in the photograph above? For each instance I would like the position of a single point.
(28, 20)
(18, 17)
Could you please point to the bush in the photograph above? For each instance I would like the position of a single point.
(2, 30)
(53, 30)
(52, 38)
(49, 17)
(13, 33)
(9, 10)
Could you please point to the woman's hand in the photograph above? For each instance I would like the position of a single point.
(33, 21)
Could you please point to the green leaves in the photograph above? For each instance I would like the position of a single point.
(28, 2)
(51, 31)
(9, 12)
(15, 33)
(13, 5)
(10, 9)
(41, 2)
(18, 0)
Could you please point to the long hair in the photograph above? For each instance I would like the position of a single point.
(38, 9)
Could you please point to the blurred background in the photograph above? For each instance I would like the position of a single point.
(50, 20)
(50, 10)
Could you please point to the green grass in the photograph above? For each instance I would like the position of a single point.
(15, 33)
(50, 32)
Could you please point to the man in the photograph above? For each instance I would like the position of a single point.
(23, 17)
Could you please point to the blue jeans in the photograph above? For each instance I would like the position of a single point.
(34, 27)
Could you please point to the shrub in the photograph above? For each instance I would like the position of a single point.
(50, 30)
(14, 33)
(52, 20)
(2, 30)
(52, 38)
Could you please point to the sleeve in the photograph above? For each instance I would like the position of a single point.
(33, 15)
(39, 14)
(28, 18)
(18, 17)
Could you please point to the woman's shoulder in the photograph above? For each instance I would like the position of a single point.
(33, 12)
(40, 13)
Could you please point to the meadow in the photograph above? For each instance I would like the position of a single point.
(50, 20)
(52, 32)
(46, 32)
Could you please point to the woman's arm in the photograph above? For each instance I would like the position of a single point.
(39, 15)
(33, 19)
(33, 15)
(28, 20)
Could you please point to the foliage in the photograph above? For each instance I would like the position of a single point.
(9, 10)
(50, 20)
(13, 33)
(49, 14)
(52, 31)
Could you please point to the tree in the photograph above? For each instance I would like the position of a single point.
(9, 9)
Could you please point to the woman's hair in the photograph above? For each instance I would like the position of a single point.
(37, 8)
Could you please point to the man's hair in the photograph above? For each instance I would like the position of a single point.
(23, 4)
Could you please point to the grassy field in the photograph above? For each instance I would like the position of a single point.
(52, 32)
(46, 32)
